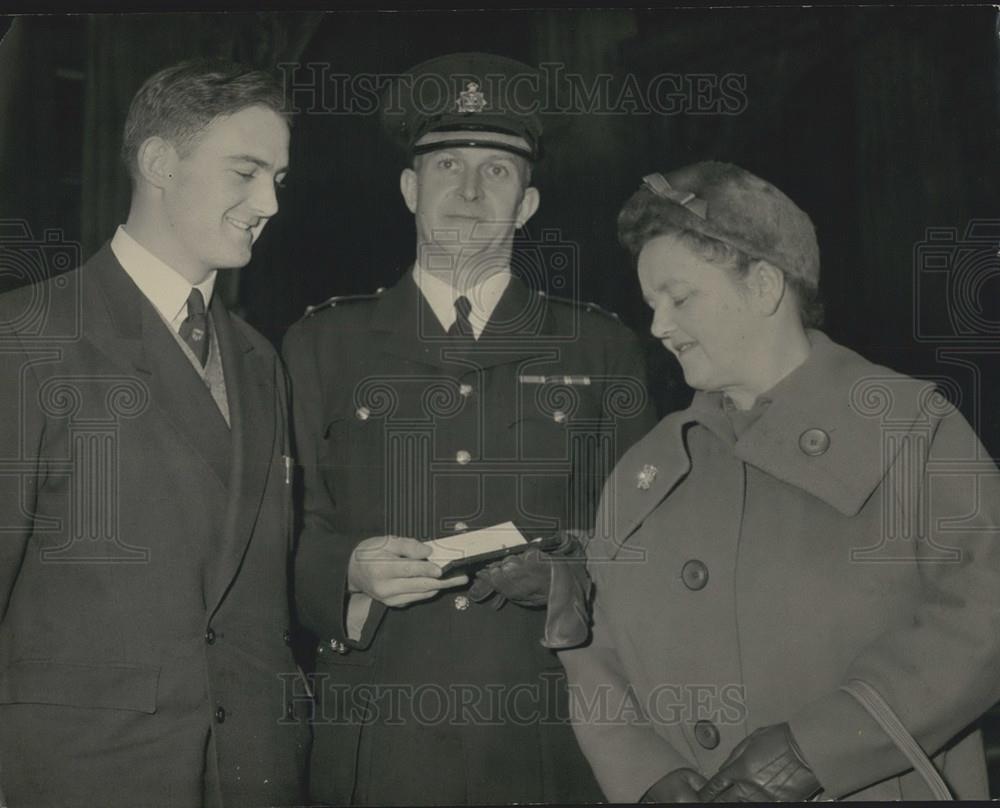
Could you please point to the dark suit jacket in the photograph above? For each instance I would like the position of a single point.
(143, 557)
(447, 701)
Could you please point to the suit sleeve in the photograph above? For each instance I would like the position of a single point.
(939, 671)
(627, 755)
(21, 425)
(322, 553)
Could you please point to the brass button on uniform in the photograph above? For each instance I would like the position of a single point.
(220, 715)
(694, 574)
(559, 417)
(465, 390)
(462, 457)
(461, 602)
(363, 413)
(814, 442)
(460, 526)
(706, 734)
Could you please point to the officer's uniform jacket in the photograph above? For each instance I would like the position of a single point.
(849, 532)
(143, 558)
(403, 430)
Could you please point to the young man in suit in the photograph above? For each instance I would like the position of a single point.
(458, 399)
(144, 491)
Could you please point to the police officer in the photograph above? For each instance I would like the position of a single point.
(456, 400)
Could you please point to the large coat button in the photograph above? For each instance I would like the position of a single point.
(814, 442)
(706, 734)
(694, 574)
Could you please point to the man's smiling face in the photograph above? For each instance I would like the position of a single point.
(221, 191)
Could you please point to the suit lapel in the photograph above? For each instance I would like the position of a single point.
(134, 336)
(250, 390)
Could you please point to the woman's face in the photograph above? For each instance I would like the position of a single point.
(701, 313)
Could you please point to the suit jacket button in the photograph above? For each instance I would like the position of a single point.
(706, 734)
(462, 457)
(220, 715)
(210, 636)
(814, 442)
(461, 602)
(694, 574)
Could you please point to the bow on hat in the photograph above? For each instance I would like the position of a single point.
(658, 184)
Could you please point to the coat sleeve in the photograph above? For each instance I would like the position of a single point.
(322, 553)
(627, 755)
(21, 427)
(939, 671)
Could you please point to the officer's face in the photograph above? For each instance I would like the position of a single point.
(468, 201)
(219, 194)
(701, 313)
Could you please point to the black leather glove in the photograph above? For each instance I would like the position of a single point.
(680, 785)
(557, 580)
(765, 767)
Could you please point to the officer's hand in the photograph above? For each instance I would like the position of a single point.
(765, 767)
(523, 578)
(680, 785)
(527, 578)
(557, 580)
(393, 571)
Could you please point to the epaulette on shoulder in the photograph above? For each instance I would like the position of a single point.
(580, 304)
(336, 300)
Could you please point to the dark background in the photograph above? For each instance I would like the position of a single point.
(882, 123)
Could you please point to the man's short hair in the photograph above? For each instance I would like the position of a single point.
(179, 102)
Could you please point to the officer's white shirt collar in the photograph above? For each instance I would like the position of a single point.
(441, 296)
(163, 286)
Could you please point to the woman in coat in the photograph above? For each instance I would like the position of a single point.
(812, 522)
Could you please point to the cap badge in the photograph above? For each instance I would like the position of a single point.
(471, 99)
(644, 479)
(658, 184)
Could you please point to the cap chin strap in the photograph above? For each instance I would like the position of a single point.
(472, 143)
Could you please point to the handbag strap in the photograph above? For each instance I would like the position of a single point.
(869, 698)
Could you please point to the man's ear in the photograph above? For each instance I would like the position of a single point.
(408, 188)
(766, 284)
(528, 206)
(157, 160)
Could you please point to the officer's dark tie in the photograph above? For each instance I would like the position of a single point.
(461, 327)
(194, 329)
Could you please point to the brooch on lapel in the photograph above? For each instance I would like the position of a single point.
(645, 478)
